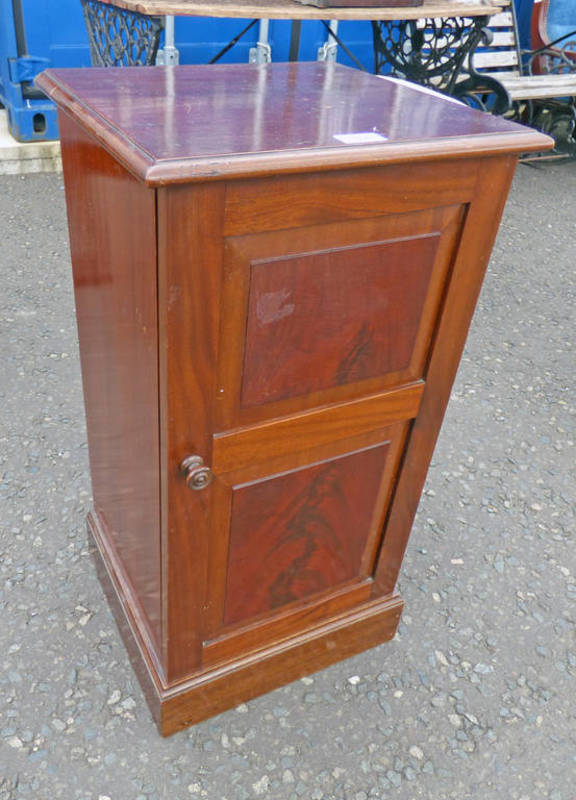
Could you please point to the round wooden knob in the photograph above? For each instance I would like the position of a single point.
(198, 476)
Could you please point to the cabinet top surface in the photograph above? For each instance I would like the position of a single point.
(176, 124)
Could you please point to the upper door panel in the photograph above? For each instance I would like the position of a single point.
(317, 321)
(329, 313)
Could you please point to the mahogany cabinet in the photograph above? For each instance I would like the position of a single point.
(275, 268)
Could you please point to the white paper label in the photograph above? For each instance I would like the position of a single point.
(370, 137)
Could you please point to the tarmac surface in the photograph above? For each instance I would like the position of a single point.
(474, 698)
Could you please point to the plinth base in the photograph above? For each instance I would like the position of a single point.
(208, 693)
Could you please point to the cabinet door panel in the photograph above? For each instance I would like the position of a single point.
(324, 314)
(299, 531)
(296, 534)
(333, 317)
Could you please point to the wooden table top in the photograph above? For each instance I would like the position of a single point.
(209, 122)
(290, 9)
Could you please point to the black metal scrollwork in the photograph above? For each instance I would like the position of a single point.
(438, 53)
(427, 51)
(120, 38)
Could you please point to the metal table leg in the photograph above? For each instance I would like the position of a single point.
(329, 50)
(169, 55)
(262, 53)
(295, 34)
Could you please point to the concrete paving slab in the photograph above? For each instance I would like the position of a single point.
(23, 158)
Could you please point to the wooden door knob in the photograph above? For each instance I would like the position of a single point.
(198, 475)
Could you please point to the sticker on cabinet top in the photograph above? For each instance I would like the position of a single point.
(369, 137)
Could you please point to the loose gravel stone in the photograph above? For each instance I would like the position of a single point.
(394, 777)
(483, 669)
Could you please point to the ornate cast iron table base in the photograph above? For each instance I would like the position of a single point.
(120, 38)
(430, 52)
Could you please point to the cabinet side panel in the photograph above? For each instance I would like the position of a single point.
(113, 245)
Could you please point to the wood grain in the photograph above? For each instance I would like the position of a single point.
(189, 252)
(309, 528)
(288, 560)
(247, 637)
(238, 449)
(287, 9)
(333, 317)
(257, 471)
(127, 612)
(302, 201)
(198, 123)
(223, 687)
(242, 251)
(114, 266)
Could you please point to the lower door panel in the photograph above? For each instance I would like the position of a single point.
(296, 538)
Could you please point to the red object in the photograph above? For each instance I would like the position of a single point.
(548, 61)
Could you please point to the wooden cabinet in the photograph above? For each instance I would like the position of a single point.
(275, 268)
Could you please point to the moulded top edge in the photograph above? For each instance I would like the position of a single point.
(178, 124)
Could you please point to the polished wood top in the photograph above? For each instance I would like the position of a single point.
(289, 9)
(176, 124)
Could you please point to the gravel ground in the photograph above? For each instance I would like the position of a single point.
(474, 698)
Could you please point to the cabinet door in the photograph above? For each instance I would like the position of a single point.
(293, 361)
(323, 342)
